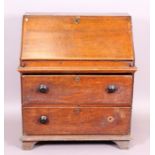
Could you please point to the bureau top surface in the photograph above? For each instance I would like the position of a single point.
(62, 37)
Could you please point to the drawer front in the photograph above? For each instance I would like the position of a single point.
(76, 120)
(77, 89)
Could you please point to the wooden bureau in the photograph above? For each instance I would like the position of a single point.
(77, 76)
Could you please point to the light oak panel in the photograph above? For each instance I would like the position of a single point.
(60, 37)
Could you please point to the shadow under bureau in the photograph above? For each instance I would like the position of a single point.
(77, 76)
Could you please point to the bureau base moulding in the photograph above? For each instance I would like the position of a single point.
(121, 141)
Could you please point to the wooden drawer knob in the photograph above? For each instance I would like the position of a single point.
(43, 119)
(43, 88)
(111, 88)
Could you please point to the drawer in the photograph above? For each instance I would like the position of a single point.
(77, 89)
(76, 120)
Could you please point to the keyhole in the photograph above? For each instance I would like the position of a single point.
(77, 20)
(77, 78)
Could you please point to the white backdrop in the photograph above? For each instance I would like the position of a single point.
(138, 9)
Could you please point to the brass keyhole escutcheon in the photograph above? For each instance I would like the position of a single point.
(110, 119)
(76, 20)
(77, 110)
(77, 78)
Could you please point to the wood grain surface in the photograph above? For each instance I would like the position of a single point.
(77, 120)
(70, 66)
(74, 38)
(77, 89)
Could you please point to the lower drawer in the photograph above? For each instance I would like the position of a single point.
(76, 120)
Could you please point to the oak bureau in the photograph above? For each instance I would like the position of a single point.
(77, 76)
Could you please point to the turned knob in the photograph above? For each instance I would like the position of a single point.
(43, 88)
(111, 88)
(43, 119)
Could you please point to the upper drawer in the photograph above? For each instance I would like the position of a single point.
(53, 37)
(77, 89)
